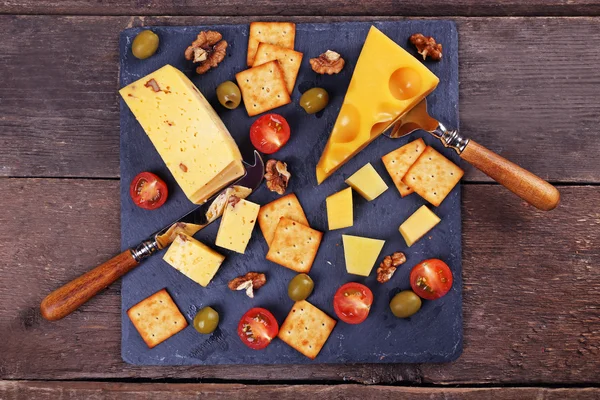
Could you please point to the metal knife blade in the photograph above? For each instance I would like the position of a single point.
(204, 214)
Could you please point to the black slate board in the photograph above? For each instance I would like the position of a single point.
(432, 335)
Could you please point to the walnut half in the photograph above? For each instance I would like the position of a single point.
(426, 46)
(208, 50)
(250, 282)
(389, 265)
(277, 176)
(329, 63)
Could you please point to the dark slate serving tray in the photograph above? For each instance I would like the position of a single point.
(432, 335)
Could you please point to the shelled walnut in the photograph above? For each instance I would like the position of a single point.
(426, 46)
(329, 63)
(389, 265)
(208, 50)
(250, 282)
(277, 176)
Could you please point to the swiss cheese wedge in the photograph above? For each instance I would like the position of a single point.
(387, 82)
(186, 131)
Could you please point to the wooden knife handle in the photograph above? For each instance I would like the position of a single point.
(521, 182)
(70, 297)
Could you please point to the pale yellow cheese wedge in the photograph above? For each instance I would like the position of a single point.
(367, 182)
(339, 209)
(361, 254)
(194, 259)
(418, 224)
(186, 131)
(237, 224)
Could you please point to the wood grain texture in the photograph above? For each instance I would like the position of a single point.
(529, 187)
(528, 91)
(17, 390)
(305, 7)
(531, 292)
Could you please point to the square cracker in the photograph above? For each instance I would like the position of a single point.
(289, 61)
(294, 245)
(278, 33)
(400, 160)
(270, 214)
(263, 88)
(433, 176)
(306, 329)
(157, 318)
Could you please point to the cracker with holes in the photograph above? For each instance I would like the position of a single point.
(433, 176)
(306, 329)
(284, 207)
(281, 34)
(289, 61)
(400, 160)
(263, 88)
(294, 245)
(157, 318)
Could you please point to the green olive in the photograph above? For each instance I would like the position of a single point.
(405, 304)
(314, 100)
(145, 44)
(229, 95)
(300, 287)
(206, 320)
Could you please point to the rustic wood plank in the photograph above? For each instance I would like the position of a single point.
(531, 292)
(17, 390)
(528, 91)
(469, 8)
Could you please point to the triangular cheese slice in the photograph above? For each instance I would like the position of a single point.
(361, 254)
(387, 82)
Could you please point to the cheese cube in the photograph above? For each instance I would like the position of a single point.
(361, 254)
(339, 209)
(418, 224)
(194, 259)
(367, 182)
(237, 224)
(186, 131)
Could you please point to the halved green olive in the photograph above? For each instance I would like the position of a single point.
(314, 100)
(229, 95)
(300, 287)
(207, 320)
(144, 44)
(405, 304)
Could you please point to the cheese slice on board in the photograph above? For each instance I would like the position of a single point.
(339, 209)
(237, 225)
(194, 259)
(361, 254)
(186, 131)
(417, 225)
(387, 82)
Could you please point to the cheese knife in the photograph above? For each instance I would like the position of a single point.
(71, 296)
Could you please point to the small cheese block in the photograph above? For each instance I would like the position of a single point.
(282, 34)
(400, 160)
(294, 246)
(289, 61)
(339, 209)
(433, 176)
(306, 329)
(284, 207)
(186, 131)
(157, 318)
(361, 254)
(237, 224)
(194, 259)
(418, 224)
(367, 182)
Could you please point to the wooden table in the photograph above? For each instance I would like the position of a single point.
(529, 81)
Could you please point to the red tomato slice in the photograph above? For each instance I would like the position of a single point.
(257, 328)
(431, 279)
(352, 302)
(148, 191)
(269, 133)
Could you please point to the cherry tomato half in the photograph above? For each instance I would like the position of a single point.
(148, 191)
(352, 302)
(431, 279)
(269, 133)
(257, 328)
